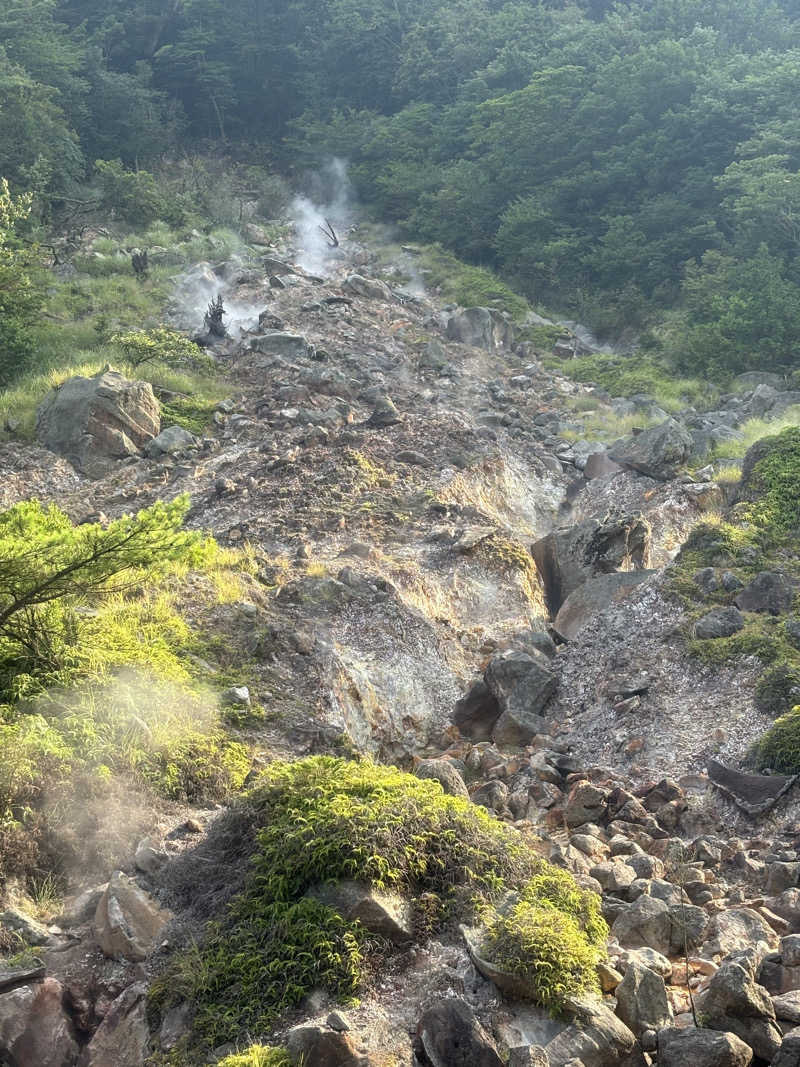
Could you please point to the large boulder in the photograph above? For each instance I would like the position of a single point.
(281, 344)
(734, 1002)
(646, 922)
(569, 557)
(123, 1037)
(443, 772)
(451, 1036)
(701, 1048)
(642, 1000)
(35, 1030)
(481, 328)
(594, 596)
(128, 922)
(522, 684)
(370, 288)
(95, 422)
(719, 622)
(659, 452)
(595, 1037)
(734, 930)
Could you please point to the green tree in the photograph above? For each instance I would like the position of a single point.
(48, 566)
(21, 291)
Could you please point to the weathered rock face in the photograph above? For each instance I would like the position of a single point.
(451, 1036)
(123, 1037)
(95, 422)
(659, 452)
(567, 558)
(736, 929)
(522, 685)
(35, 1030)
(480, 327)
(127, 921)
(593, 596)
(753, 793)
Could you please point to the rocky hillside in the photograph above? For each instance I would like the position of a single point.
(590, 634)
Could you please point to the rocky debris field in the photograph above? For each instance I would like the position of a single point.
(451, 580)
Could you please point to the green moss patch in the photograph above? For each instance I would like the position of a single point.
(779, 748)
(323, 819)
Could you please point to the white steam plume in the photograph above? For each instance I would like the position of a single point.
(332, 204)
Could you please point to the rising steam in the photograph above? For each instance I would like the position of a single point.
(330, 203)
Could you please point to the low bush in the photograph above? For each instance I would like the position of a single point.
(321, 819)
(779, 748)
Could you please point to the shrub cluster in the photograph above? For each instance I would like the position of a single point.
(323, 819)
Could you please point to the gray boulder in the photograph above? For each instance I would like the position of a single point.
(787, 1007)
(369, 288)
(701, 1048)
(596, 1037)
(35, 1030)
(123, 1037)
(645, 922)
(481, 328)
(734, 1002)
(173, 439)
(451, 1036)
(381, 912)
(283, 345)
(320, 1046)
(770, 591)
(734, 930)
(95, 422)
(642, 1000)
(127, 921)
(567, 558)
(443, 771)
(719, 622)
(659, 452)
(522, 684)
(789, 1052)
(594, 596)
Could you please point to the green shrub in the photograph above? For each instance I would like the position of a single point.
(470, 286)
(257, 1056)
(160, 345)
(547, 948)
(774, 486)
(778, 688)
(192, 413)
(628, 375)
(323, 819)
(779, 748)
(135, 197)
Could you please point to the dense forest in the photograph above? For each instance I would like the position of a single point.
(633, 163)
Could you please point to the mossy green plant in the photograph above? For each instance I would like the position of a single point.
(257, 1056)
(779, 748)
(323, 819)
(545, 947)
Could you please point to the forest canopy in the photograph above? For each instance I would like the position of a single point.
(620, 160)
